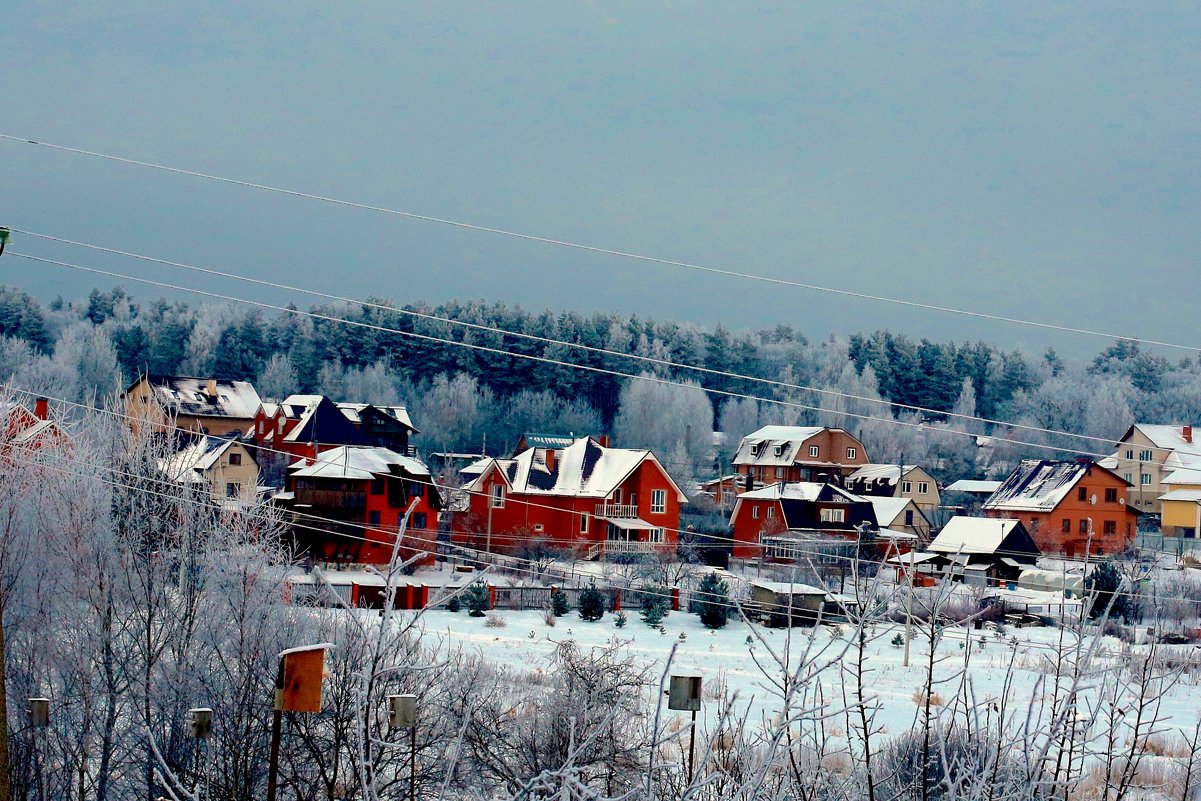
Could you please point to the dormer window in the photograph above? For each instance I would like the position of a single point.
(814, 450)
(779, 449)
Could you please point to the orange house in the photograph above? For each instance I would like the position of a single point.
(584, 497)
(1073, 508)
(791, 454)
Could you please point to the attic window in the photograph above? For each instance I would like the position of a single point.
(852, 453)
(780, 449)
(814, 450)
(235, 459)
(834, 515)
(923, 487)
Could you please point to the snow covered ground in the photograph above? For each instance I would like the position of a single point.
(724, 658)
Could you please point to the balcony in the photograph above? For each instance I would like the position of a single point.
(331, 499)
(616, 547)
(619, 510)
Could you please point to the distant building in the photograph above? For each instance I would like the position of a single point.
(766, 520)
(1067, 505)
(584, 497)
(893, 481)
(984, 551)
(1147, 454)
(346, 505)
(791, 454)
(222, 468)
(901, 515)
(30, 430)
(196, 405)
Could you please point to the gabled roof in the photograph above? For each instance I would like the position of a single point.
(189, 395)
(584, 469)
(889, 509)
(188, 464)
(976, 486)
(323, 422)
(1038, 485)
(556, 441)
(1182, 495)
(358, 463)
(1167, 437)
(883, 473)
(981, 535)
(774, 446)
(356, 411)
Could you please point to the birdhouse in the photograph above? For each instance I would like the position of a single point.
(200, 723)
(402, 711)
(39, 712)
(684, 693)
(301, 672)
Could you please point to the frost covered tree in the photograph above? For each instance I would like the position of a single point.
(670, 420)
(278, 378)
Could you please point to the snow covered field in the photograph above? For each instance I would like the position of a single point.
(725, 660)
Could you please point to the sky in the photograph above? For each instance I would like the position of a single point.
(1031, 160)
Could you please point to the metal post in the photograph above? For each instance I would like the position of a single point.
(909, 606)
(691, 746)
(413, 763)
(39, 720)
(277, 720)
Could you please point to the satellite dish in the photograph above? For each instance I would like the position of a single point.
(1093, 500)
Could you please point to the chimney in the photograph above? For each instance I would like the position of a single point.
(604, 441)
(41, 409)
(210, 388)
(550, 458)
(1188, 434)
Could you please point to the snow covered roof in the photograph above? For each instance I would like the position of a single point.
(774, 445)
(188, 464)
(797, 491)
(885, 473)
(1182, 476)
(354, 412)
(1037, 485)
(1182, 495)
(968, 535)
(788, 588)
(191, 395)
(889, 509)
(972, 485)
(1169, 437)
(584, 469)
(358, 463)
(547, 440)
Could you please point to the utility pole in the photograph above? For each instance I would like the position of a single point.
(909, 606)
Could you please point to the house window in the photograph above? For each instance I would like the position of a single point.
(1083, 526)
(658, 501)
(1129, 478)
(1145, 456)
(498, 496)
(1110, 527)
(655, 535)
(417, 489)
(419, 520)
(281, 425)
(1111, 495)
(235, 459)
(834, 515)
(852, 453)
(906, 487)
(583, 524)
(373, 518)
(231, 490)
(909, 517)
(771, 512)
(1081, 494)
(377, 486)
(813, 450)
(538, 527)
(1130, 453)
(617, 495)
(1066, 528)
(1144, 479)
(755, 512)
(262, 426)
(779, 472)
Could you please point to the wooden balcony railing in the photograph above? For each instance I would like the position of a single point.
(620, 510)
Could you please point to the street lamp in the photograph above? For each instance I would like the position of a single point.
(402, 714)
(684, 694)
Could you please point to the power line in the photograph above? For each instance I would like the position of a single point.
(597, 249)
(550, 341)
(530, 357)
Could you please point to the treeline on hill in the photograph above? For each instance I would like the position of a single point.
(462, 397)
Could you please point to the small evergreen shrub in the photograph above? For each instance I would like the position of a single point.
(592, 604)
(619, 620)
(656, 603)
(712, 602)
(454, 604)
(558, 602)
(477, 600)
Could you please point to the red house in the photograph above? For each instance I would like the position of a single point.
(798, 453)
(773, 511)
(31, 429)
(583, 497)
(347, 505)
(1068, 507)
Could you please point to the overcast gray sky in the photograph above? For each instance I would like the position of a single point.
(1027, 159)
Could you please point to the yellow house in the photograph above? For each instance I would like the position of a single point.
(1148, 454)
(1181, 513)
(221, 467)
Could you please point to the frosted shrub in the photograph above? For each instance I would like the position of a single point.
(495, 621)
